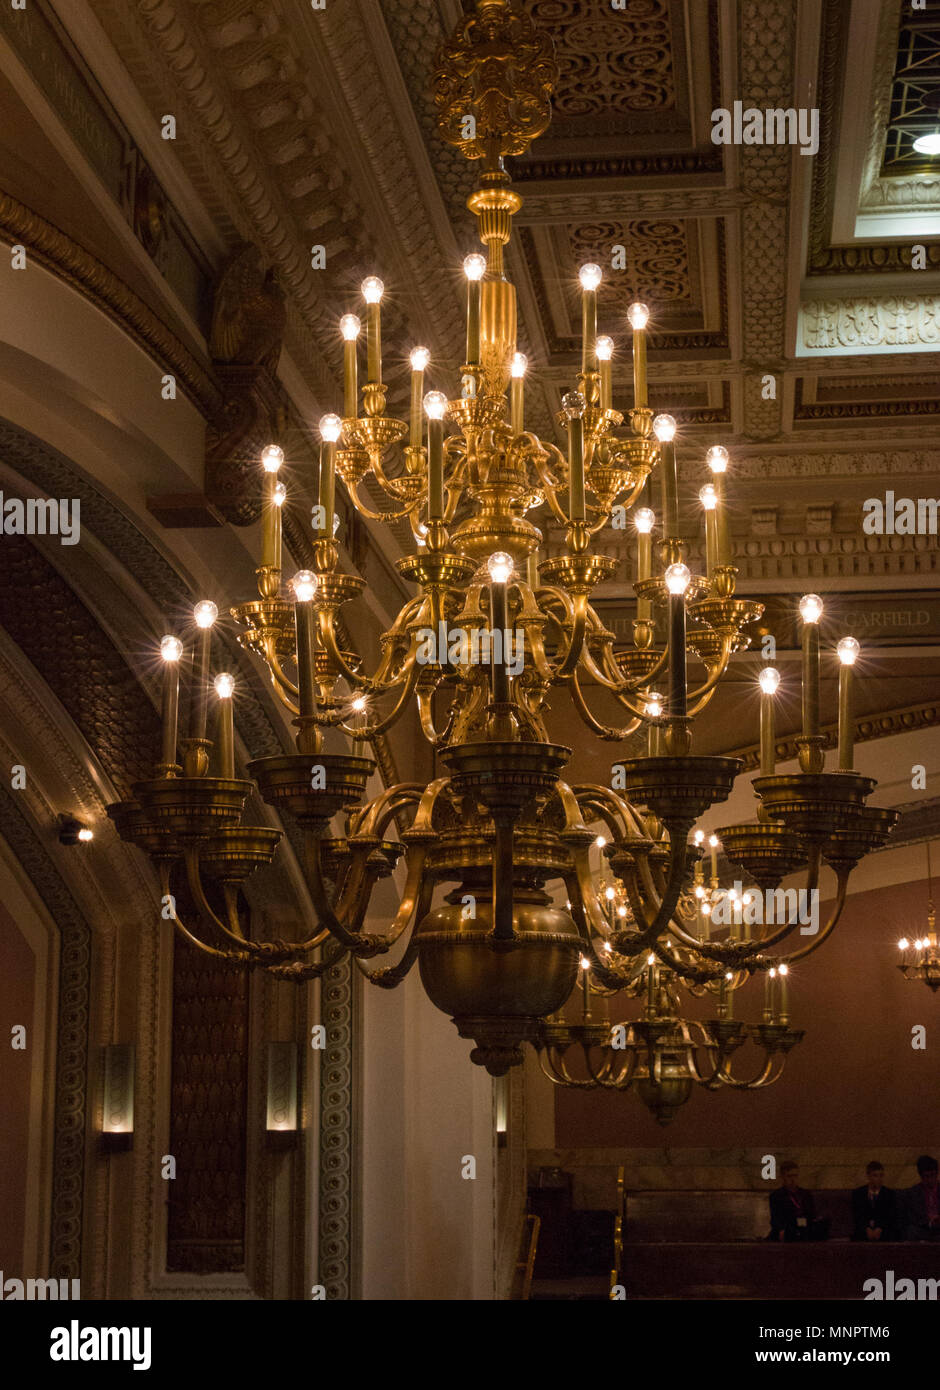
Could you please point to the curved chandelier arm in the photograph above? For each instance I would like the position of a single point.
(558, 1073)
(604, 731)
(368, 731)
(540, 455)
(384, 517)
(298, 970)
(841, 890)
(704, 692)
(235, 957)
(326, 917)
(425, 698)
(392, 975)
(285, 687)
(258, 951)
(756, 1083)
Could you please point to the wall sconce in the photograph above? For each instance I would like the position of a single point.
(282, 1117)
(72, 831)
(117, 1121)
(501, 1106)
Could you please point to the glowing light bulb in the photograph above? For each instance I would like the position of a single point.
(728, 975)
(811, 608)
(304, 585)
(272, 456)
(699, 836)
(419, 359)
(601, 841)
(205, 613)
(331, 427)
(654, 707)
(435, 403)
(280, 495)
(590, 276)
(664, 428)
(350, 326)
(708, 497)
(706, 910)
(85, 834)
(928, 144)
(519, 364)
(474, 266)
(678, 578)
(585, 963)
(650, 960)
(359, 704)
(500, 567)
(644, 519)
(604, 348)
(573, 404)
(224, 686)
(372, 289)
(639, 316)
(717, 458)
(848, 650)
(773, 972)
(621, 912)
(699, 890)
(783, 969)
(610, 894)
(903, 944)
(171, 648)
(769, 680)
(713, 841)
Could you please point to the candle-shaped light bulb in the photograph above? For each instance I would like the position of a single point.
(653, 710)
(573, 405)
(350, 326)
(677, 578)
(654, 707)
(717, 460)
(903, 944)
(708, 496)
(848, 649)
(604, 351)
(811, 610)
(713, 844)
(331, 427)
(372, 292)
(499, 567)
(280, 495)
(768, 680)
(664, 428)
(474, 267)
(517, 373)
(272, 456)
(590, 276)
(435, 403)
(783, 972)
(644, 519)
(171, 649)
(225, 727)
(204, 615)
(304, 585)
(639, 314)
(699, 837)
(419, 359)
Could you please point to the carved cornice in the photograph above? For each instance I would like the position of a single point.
(877, 323)
(69, 261)
(906, 720)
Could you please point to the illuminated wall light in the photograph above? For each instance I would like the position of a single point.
(501, 1108)
(117, 1107)
(72, 831)
(282, 1106)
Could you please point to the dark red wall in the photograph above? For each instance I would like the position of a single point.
(854, 1080)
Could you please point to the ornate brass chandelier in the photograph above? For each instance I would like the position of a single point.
(493, 631)
(921, 957)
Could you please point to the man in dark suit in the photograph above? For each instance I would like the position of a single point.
(922, 1203)
(793, 1211)
(874, 1207)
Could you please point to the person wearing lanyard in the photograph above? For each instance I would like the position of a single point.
(792, 1209)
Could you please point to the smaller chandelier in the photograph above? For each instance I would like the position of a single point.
(922, 956)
